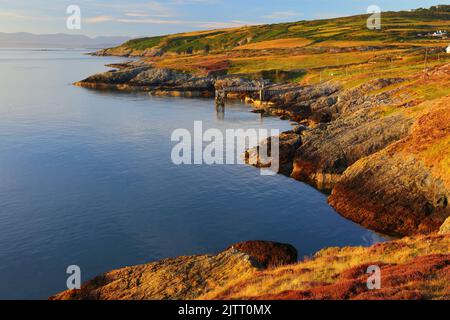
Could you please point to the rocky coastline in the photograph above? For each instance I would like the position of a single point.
(348, 141)
(374, 148)
(259, 270)
(372, 131)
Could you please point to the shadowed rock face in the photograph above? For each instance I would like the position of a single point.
(268, 254)
(288, 142)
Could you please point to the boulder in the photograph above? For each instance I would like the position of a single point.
(268, 254)
(289, 142)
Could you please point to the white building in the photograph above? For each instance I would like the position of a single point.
(440, 34)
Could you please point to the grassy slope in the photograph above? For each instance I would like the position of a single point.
(340, 49)
(340, 273)
(397, 27)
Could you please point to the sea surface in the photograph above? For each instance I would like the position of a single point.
(86, 179)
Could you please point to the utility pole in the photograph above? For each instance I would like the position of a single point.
(426, 60)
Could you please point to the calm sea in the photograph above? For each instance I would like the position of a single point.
(86, 178)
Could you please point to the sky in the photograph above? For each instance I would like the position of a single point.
(157, 17)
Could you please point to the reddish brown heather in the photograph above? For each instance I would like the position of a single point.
(408, 281)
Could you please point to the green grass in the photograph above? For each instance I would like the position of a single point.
(397, 26)
(145, 43)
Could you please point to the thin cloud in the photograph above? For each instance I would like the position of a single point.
(149, 21)
(23, 16)
(281, 15)
(150, 8)
(98, 19)
(219, 25)
(139, 19)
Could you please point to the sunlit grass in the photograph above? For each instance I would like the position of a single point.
(326, 266)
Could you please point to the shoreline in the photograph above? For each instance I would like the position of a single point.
(321, 152)
(261, 270)
(324, 113)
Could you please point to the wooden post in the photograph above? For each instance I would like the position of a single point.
(261, 93)
(220, 98)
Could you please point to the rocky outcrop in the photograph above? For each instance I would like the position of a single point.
(330, 148)
(183, 277)
(178, 278)
(411, 268)
(268, 254)
(405, 188)
(123, 76)
(345, 126)
(288, 143)
(123, 51)
(146, 78)
(354, 152)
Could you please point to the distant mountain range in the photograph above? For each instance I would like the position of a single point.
(60, 40)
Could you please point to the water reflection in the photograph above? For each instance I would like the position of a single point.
(220, 112)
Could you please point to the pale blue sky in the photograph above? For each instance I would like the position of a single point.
(155, 17)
